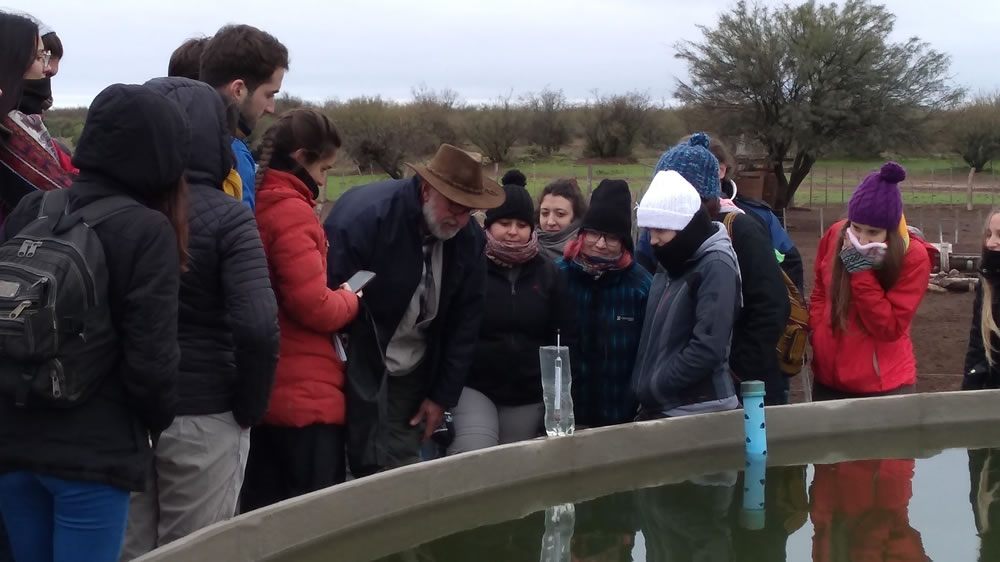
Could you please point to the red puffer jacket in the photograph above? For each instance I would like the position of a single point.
(309, 381)
(875, 354)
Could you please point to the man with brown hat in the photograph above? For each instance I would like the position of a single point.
(410, 349)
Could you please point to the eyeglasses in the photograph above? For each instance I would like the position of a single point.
(611, 241)
(44, 57)
(455, 209)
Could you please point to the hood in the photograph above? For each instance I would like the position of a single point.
(718, 242)
(137, 137)
(211, 139)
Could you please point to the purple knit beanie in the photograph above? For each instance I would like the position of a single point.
(877, 201)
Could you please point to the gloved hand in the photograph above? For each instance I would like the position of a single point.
(976, 377)
(855, 261)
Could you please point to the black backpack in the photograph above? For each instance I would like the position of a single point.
(57, 339)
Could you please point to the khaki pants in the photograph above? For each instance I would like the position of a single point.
(198, 468)
(479, 423)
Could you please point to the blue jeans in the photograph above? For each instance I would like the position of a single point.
(54, 520)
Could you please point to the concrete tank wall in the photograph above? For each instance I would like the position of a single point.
(381, 514)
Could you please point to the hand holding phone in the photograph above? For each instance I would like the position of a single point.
(358, 281)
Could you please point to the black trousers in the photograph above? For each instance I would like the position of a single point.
(286, 462)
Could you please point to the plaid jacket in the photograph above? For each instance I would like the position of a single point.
(610, 312)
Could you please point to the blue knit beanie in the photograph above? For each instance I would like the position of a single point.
(696, 163)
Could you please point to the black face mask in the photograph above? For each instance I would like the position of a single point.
(674, 255)
(990, 266)
(36, 97)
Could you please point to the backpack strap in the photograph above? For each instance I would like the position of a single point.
(728, 222)
(104, 208)
(53, 203)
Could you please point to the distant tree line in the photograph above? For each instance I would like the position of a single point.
(791, 83)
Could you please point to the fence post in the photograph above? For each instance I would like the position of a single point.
(933, 189)
(951, 185)
(826, 185)
(810, 189)
(822, 222)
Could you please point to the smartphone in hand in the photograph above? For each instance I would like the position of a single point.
(359, 280)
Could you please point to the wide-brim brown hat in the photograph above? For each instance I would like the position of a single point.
(457, 176)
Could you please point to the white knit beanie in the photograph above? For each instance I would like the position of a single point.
(669, 204)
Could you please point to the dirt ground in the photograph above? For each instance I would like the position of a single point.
(940, 331)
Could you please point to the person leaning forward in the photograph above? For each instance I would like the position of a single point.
(410, 349)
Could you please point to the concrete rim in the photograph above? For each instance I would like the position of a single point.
(378, 515)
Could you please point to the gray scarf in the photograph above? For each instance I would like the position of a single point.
(552, 244)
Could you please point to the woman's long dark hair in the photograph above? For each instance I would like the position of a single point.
(840, 280)
(18, 47)
(174, 204)
(303, 128)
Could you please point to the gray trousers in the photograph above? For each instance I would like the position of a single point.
(198, 468)
(479, 423)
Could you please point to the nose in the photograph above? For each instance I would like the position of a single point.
(601, 243)
(270, 108)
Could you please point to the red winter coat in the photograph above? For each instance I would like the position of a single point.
(860, 512)
(309, 380)
(875, 354)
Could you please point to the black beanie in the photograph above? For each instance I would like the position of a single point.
(517, 205)
(515, 177)
(611, 211)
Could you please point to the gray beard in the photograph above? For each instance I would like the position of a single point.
(434, 226)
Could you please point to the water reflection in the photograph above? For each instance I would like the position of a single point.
(984, 476)
(860, 512)
(855, 511)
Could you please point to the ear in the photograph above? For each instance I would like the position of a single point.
(237, 90)
(299, 156)
(425, 192)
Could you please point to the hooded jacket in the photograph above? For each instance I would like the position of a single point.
(228, 327)
(875, 354)
(309, 383)
(683, 357)
(135, 143)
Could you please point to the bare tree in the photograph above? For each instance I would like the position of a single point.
(547, 122)
(611, 124)
(376, 132)
(800, 77)
(494, 128)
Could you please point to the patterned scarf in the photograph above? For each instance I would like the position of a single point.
(24, 154)
(509, 254)
(593, 265)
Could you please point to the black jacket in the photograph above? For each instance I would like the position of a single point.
(522, 314)
(377, 227)
(765, 309)
(978, 374)
(135, 142)
(228, 325)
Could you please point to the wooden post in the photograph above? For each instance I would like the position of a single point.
(826, 185)
(810, 189)
(972, 175)
(955, 240)
(843, 182)
(951, 183)
(822, 224)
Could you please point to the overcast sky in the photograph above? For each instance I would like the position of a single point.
(481, 49)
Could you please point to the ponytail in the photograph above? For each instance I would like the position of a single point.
(298, 129)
